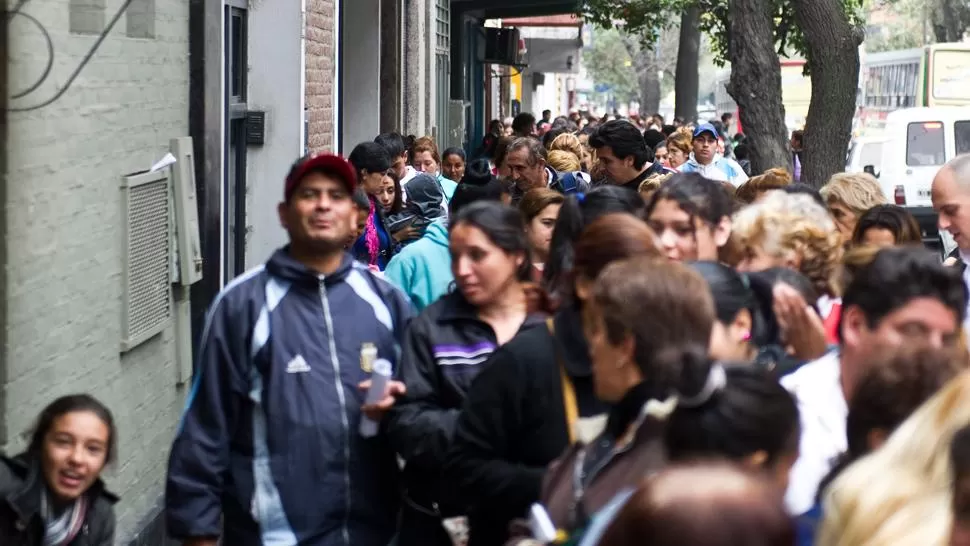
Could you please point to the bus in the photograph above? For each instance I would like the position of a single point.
(796, 94)
(928, 76)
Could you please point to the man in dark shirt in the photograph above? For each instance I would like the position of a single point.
(623, 154)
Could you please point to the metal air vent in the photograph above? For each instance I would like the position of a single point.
(146, 268)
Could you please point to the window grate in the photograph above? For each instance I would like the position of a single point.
(147, 268)
(443, 25)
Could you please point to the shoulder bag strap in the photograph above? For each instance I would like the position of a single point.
(568, 391)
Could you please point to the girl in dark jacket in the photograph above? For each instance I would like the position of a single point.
(536, 397)
(446, 347)
(52, 494)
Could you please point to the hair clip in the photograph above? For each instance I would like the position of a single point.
(581, 197)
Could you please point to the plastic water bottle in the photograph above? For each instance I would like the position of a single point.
(380, 377)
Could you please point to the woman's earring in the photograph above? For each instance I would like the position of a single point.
(746, 336)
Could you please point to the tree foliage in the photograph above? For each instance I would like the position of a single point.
(646, 18)
(947, 21)
(610, 63)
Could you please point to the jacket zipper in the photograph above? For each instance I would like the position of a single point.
(342, 398)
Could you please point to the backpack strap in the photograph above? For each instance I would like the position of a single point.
(569, 183)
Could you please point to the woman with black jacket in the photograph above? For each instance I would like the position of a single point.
(52, 494)
(536, 397)
(446, 347)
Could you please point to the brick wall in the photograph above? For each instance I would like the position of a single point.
(63, 235)
(320, 67)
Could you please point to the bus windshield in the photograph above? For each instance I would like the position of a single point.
(951, 75)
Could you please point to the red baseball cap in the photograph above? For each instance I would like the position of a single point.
(331, 164)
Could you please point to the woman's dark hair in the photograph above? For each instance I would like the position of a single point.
(370, 157)
(502, 225)
(72, 404)
(577, 212)
(653, 138)
(501, 150)
(749, 412)
(361, 199)
(398, 204)
(454, 150)
(393, 144)
(889, 392)
(667, 310)
(714, 504)
(732, 293)
(478, 184)
(895, 219)
(697, 196)
(741, 151)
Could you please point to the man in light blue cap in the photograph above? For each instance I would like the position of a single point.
(706, 161)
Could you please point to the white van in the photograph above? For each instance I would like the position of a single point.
(865, 153)
(918, 141)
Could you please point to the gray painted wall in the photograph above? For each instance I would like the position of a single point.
(63, 234)
(360, 72)
(276, 77)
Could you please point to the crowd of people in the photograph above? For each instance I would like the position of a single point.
(597, 338)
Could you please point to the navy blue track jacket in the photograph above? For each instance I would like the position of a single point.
(268, 451)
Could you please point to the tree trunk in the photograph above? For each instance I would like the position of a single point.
(832, 45)
(688, 57)
(947, 21)
(756, 83)
(649, 90)
(648, 82)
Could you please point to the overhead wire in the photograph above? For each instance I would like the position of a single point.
(18, 10)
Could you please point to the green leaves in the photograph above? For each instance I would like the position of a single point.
(610, 63)
(646, 18)
(642, 18)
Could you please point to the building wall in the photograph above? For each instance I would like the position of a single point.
(360, 72)
(320, 71)
(63, 232)
(275, 87)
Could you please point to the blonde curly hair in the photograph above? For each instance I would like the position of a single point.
(563, 161)
(794, 226)
(567, 142)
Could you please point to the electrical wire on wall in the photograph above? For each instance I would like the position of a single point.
(45, 74)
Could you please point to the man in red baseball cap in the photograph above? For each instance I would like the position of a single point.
(268, 450)
(318, 210)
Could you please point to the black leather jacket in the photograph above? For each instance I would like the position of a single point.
(20, 498)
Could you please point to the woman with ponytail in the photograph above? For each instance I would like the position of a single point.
(648, 322)
(738, 413)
